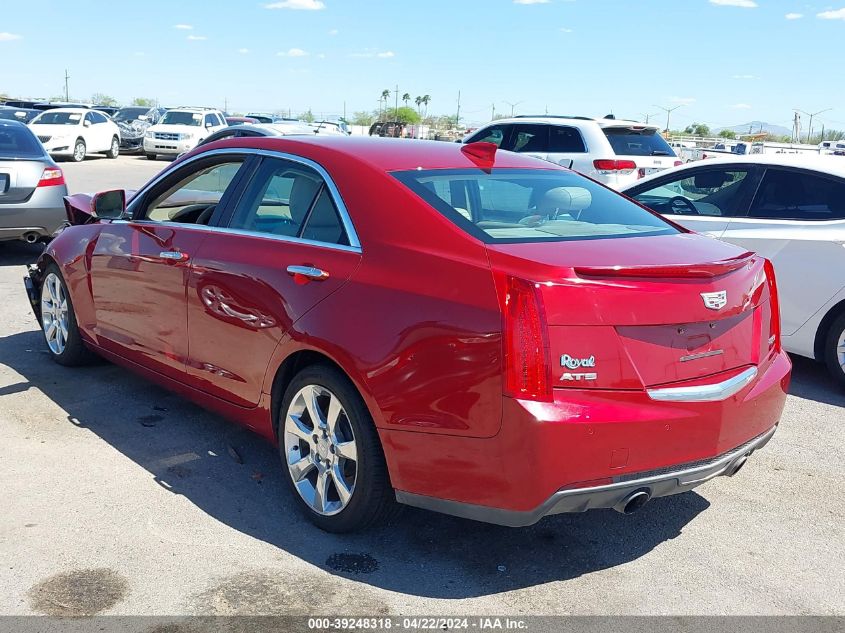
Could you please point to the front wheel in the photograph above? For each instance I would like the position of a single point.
(79, 151)
(835, 350)
(332, 454)
(151, 156)
(58, 321)
(114, 150)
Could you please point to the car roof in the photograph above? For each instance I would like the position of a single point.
(69, 110)
(834, 165)
(12, 123)
(573, 120)
(387, 154)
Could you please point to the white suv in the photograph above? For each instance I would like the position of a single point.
(614, 152)
(180, 130)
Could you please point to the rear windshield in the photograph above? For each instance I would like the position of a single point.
(18, 142)
(516, 205)
(58, 118)
(627, 141)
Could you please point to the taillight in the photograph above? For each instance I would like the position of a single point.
(51, 177)
(774, 304)
(526, 343)
(609, 166)
(678, 163)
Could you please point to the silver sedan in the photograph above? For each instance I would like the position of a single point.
(32, 186)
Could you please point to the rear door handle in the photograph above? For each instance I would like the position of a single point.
(175, 256)
(309, 272)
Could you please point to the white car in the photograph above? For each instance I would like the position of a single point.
(614, 152)
(789, 208)
(180, 130)
(331, 128)
(76, 132)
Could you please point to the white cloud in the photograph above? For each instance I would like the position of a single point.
(293, 52)
(197, 38)
(794, 16)
(745, 4)
(184, 27)
(565, 30)
(371, 53)
(321, 56)
(531, 1)
(299, 5)
(683, 100)
(741, 106)
(744, 77)
(833, 14)
(243, 51)
(334, 32)
(8, 37)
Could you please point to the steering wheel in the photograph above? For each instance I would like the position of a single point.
(677, 202)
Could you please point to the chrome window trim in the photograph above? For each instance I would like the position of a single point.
(705, 393)
(346, 220)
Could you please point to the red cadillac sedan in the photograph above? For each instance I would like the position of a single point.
(451, 327)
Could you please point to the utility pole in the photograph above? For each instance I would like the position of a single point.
(67, 97)
(493, 113)
(648, 116)
(396, 107)
(810, 125)
(226, 104)
(458, 115)
(513, 105)
(668, 112)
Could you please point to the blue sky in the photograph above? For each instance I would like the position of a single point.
(725, 61)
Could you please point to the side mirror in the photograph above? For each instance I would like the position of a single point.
(109, 205)
(86, 123)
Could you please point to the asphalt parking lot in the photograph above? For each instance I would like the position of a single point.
(120, 498)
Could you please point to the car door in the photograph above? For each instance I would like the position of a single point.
(140, 267)
(703, 198)
(103, 131)
(797, 220)
(287, 245)
(566, 146)
(531, 139)
(92, 139)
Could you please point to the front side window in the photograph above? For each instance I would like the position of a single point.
(519, 205)
(528, 138)
(494, 134)
(194, 198)
(709, 191)
(795, 195)
(291, 200)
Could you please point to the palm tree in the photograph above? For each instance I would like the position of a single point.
(425, 101)
(418, 101)
(406, 98)
(385, 95)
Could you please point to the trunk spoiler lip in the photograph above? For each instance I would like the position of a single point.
(706, 270)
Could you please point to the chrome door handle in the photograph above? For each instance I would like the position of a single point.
(308, 272)
(174, 256)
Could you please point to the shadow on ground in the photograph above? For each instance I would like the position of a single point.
(811, 381)
(419, 553)
(19, 253)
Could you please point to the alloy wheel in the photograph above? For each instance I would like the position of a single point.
(840, 350)
(320, 450)
(79, 152)
(54, 313)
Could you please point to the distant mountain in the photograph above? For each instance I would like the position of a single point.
(755, 127)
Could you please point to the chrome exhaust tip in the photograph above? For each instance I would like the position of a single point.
(30, 238)
(633, 502)
(737, 465)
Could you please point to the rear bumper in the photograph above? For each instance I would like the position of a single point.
(587, 449)
(616, 495)
(43, 214)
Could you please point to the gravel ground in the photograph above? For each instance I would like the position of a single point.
(119, 498)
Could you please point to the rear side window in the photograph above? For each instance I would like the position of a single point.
(18, 142)
(517, 205)
(565, 140)
(795, 195)
(634, 141)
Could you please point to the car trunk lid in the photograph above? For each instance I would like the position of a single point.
(639, 312)
(18, 179)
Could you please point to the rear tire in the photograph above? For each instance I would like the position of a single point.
(345, 461)
(114, 150)
(151, 156)
(58, 321)
(834, 350)
(79, 151)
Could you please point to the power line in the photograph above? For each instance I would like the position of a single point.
(668, 112)
(811, 115)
